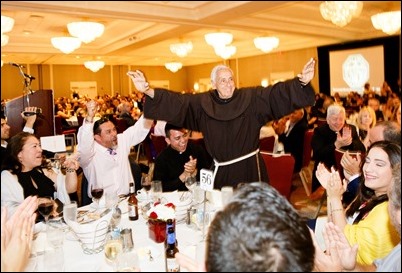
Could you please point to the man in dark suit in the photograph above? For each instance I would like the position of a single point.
(335, 134)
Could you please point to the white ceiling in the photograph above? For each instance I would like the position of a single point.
(140, 32)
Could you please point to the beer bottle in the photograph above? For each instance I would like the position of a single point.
(132, 204)
(171, 250)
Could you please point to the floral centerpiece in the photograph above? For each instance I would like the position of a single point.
(157, 217)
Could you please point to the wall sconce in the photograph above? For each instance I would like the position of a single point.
(340, 13)
(196, 87)
(181, 49)
(4, 39)
(388, 22)
(7, 24)
(66, 44)
(264, 82)
(86, 31)
(173, 66)
(94, 66)
(266, 44)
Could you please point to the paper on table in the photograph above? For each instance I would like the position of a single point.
(53, 143)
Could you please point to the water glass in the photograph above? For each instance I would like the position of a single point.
(113, 245)
(127, 262)
(227, 193)
(55, 233)
(156, 189)
(70, 211)
(54, 260)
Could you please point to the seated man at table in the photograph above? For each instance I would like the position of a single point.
(258, 231)
(181, 159)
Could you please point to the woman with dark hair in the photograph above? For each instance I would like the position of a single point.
(366, 221)
(24, 173)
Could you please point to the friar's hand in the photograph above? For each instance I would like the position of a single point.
(139, 80)
(308, 72)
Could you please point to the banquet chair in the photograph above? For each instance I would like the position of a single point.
(70, 134)
(267, 143)
(280, 171)
(121, 125)
(159, 143)
(305, 172)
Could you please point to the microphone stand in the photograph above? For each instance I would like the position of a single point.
(27, 90)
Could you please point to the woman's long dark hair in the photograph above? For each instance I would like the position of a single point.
(14, 147)
(366, 195)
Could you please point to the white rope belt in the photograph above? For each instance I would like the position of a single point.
(218, 164)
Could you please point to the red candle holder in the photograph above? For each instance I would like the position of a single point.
(157, 230)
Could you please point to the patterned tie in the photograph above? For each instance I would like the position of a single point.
(111, 151)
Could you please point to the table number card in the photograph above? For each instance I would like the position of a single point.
(206, 180)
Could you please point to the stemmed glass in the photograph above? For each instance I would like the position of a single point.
(156, 188)
(146, 184)
(45, 207)
(96, 192)
(191, 183)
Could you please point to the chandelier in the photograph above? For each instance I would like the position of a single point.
(4, 39)
(388, 22)
(218, 39)
(173, 66)
(7, 24)
(225, 52)
(181, 49)
(66, 44)
(340, 12)
(266, 44)
(94, 66)
(86, 31)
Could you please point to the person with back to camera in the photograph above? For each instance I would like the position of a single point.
(257, 231)
(229, 118)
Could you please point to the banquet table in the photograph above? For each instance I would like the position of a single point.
(189, 239)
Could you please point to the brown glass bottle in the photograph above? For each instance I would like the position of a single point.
(171, 249)
(132, 204)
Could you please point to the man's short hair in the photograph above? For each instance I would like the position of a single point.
(258, 231)
(391, 132)
(169, 126)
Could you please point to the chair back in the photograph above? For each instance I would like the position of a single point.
(159, 143)
(280, 171)
(320, 122)
(121, 125)
(267, 143)
(307, 150)
(338, 157)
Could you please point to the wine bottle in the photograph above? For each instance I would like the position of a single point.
(132, 204)
(171, 249)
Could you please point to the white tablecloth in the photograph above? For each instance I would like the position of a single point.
(76, 260)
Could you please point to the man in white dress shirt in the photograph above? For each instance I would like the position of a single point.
(104, 153)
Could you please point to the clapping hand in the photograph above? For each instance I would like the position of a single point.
(308, 72)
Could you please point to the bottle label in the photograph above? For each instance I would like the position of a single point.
(172, 265)
(132, 212)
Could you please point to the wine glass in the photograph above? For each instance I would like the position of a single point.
(191, 183)
(45, 207)
(97, 193)
(146, 184)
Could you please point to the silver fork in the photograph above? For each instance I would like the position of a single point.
(150, 255)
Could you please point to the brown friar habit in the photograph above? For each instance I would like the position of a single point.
(231, 127)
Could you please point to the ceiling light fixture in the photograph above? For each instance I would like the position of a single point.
(66, 44)
(173, 66)
(4, 39)
(225, 52)
(266, 44)
(388, 22)
(94, 66)
(218, 39)
(181, 49)
(86, 31)
(7, 24)
(340, 13)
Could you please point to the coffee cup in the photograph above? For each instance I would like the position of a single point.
(142, 194)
